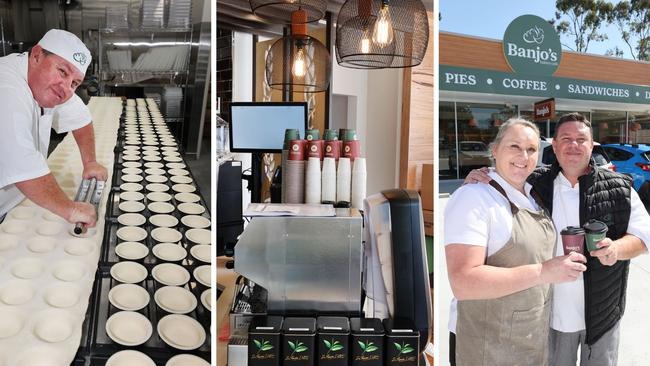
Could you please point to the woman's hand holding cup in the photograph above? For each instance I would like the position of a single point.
(563, 269)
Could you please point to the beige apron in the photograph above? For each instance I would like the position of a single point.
(513, 329)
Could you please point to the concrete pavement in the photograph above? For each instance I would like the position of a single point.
(635, 327)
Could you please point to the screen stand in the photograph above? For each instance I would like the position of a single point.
(256, 176)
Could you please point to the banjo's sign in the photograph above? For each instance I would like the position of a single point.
(531, 46)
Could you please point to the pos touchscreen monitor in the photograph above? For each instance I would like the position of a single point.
(259, 127)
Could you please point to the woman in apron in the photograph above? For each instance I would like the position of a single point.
(499, 246)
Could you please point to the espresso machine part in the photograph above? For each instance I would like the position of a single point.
(307, 264)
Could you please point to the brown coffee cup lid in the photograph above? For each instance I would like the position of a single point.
(572, 230)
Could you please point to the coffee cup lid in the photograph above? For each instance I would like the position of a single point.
(350, 135)
(595, 226)
(290, 134)
(331, 135)
(572, 230)
(313, 134)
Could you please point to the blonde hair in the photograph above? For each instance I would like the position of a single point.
(513, 122)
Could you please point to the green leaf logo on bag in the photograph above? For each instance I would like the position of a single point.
(262, 346)
(403, 348)
(297, 347)
(532, 46)
(405, 353)
(367, 347)
(332, 346)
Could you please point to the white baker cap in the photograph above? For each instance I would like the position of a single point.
(67, 45)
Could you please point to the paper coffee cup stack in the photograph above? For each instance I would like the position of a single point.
(358, 183)
(340, 179)
(313, 181)
(289, 134)
(295, 185)
(343, 181)
(328, 181)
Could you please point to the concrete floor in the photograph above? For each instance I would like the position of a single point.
(633, 349)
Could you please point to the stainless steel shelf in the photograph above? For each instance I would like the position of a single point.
(144, 30)
(146, 72)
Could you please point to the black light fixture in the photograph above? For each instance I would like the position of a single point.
(279, 11)
(376, 34)
(298, 62)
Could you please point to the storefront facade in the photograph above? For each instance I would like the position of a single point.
(484, 82)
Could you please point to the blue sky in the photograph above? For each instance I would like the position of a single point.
(490, 18)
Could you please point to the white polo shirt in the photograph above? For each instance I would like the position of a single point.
(25, 129)
(477, 214)
(568, 311)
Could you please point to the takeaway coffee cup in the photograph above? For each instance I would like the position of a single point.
(297, 150)
(595, 231)
(333, 149)
(290, 134)
(573, 239)
(315, 149)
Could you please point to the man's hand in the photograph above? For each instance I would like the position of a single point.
(607, 253)
(478, 176)
(563, 269)
(93, 169)
(82, 212)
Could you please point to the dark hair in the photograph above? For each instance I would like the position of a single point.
(572, 117)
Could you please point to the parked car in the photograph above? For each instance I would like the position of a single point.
(547, 155)
(473, 154)
(631, 159)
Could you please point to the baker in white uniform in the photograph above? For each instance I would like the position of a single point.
(37, 94)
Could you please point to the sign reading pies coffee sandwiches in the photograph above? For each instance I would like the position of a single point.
(531, 46)
(544, 110)
(454, 78)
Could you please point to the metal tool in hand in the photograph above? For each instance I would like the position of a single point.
(89, 191)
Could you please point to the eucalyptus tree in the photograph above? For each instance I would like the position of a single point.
(633, 21)
(581, 21)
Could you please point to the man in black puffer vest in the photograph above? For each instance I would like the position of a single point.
(586, 312)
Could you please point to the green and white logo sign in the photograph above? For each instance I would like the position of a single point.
(531, 46)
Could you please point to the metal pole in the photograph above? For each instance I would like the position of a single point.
(2, 29)
(457, 144)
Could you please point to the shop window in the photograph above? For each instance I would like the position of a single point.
(609, 127)
(446, 139)
(639, 128)
(465, 135)
(541, 125)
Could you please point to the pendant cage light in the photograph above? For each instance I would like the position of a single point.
(279, 11)
(376, 34)
(298, 62)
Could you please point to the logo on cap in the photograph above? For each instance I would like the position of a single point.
(80, 58)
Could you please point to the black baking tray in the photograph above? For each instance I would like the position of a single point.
(95, 346)
(102, 346)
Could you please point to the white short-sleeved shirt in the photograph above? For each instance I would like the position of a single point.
(25, 129)
(568, 310)
(477, 214)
